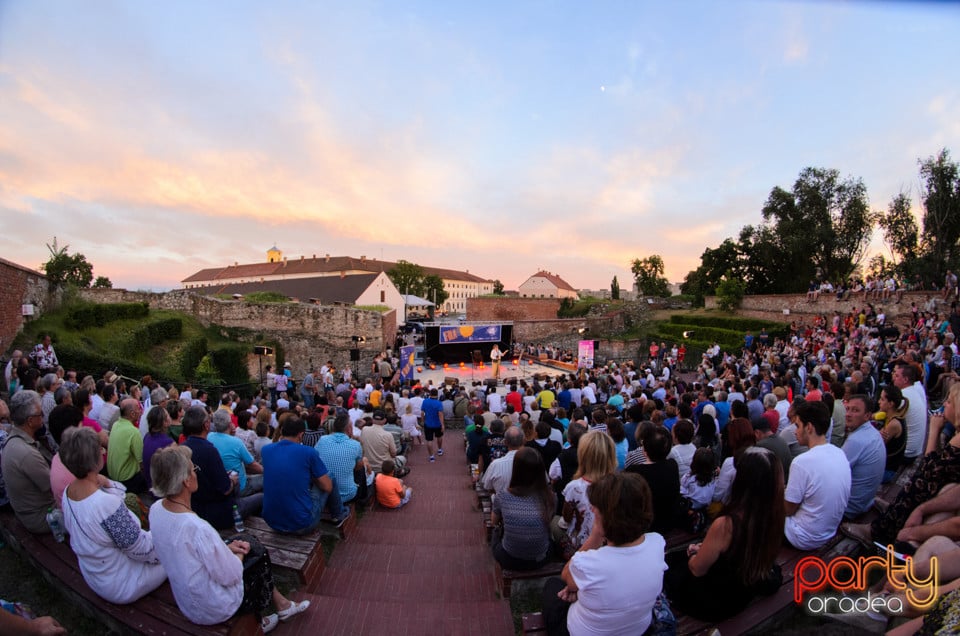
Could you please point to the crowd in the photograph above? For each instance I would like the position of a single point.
(780, 441)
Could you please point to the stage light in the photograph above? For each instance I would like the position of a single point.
(445, 366)
(516, 362)
(530, 362)
(433, 366)
(463, 365)
(419, 369)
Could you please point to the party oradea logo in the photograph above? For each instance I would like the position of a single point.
(841, 585)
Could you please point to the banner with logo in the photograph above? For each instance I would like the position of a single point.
(407, 355)
(469, 333)
(585, 354)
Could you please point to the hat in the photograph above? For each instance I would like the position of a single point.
(110, 377)
(286, 365)
(780, 392)
(379, 415)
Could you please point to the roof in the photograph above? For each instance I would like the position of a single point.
(416, 301)
(326, 289)
(320, 265)
(558, 282)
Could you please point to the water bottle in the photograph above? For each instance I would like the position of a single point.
(55, 521)
(237, 520)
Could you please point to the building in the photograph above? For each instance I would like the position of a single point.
(543, 284)
(458, 285)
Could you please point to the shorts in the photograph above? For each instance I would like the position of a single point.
(429, 433)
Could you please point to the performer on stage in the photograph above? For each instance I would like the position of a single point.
(495, 356)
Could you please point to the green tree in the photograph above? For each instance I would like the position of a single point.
(432, 289)
(940, 194)
(64, 268)
(714, 263)
(648, 274)
(730, 292)
(408, 277)
(102, 282)
(900, 229)
(614, 289)
(498, 287)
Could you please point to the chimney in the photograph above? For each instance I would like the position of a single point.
(363, 259)
(326, 259)
(301, 258)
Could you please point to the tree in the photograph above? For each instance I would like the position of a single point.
(67, 269)
(730, 293)
(433, 290)
(407, 276)
(498, 287)
(102, 282)
(899, 229)
(615, 289)
(940, 194)
(648, 274)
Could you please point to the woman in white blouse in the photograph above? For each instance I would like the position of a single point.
(211, 580)
(116, 556)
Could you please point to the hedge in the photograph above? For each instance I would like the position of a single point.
(725, 337)
(150, 334)
(87, 362)
(87, 315)
(191, 355)
(231, 363)
(733, 323)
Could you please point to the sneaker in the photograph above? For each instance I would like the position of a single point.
(433, 459)
(439, 451)
(294, 609)
(269, 623)
(402, 472)
(338, 522)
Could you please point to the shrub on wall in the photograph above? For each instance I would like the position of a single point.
(191, 355)
(230, 361)
(85, 315)
(150, 334)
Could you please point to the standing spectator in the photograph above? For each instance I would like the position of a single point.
(44, 356)
(433, 424)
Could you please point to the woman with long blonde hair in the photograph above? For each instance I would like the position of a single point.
(596, 457)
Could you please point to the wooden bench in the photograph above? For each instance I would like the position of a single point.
(301, 553)
(505, 578)
(533, 623)
(157, 613)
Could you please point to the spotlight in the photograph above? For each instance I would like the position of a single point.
(516, 362)
(419, 369)
(463, 365)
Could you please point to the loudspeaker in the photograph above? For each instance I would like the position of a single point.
(262, 351)
(450, 380)
(491, 382)
(477, 356)
(596, 346)
(354, 355)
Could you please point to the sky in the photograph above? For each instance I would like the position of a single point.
(500, 138)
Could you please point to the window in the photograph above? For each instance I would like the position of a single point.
(383, 296)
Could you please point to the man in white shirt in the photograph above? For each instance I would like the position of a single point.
(907, 379)
(819, 488)
(498, 474)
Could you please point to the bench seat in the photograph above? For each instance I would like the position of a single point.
(301, 553)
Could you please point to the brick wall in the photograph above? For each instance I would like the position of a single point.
(20, 286)
(510, 308)
(787, 307)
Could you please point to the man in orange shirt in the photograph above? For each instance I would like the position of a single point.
(391, 493)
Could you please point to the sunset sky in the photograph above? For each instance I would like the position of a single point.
(159, 138)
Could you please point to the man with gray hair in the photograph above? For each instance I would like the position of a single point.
(10, 372)
(498, 474)
(125, 449)
(235, 456)
(49, 383)
(25, 463)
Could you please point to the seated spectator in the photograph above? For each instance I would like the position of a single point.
(663, 477)
(611, 585)
(819, 487)
(717, 578)
(549, 449)
(234, 454)
(865, 452)
(379, 444)
(893, 408)
(525, 509)
(62, 418)
(25, 463)
(215, 495)
(411, 424)
(476, 443)
(297, 486)
(158, 436)
(739, 436)
(596, 457)
(245, 429)
(616, 431)
(116, 556)
(125, 449)
(497, 476)
(391, 493)
(698, 484)
(209, 579)
(683, 449)
(937, 469)
(773, 443)
(343, 457)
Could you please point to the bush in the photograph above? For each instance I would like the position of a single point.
(266, 297)
(87, 315)
(150, 334)
(730, 293)
(87, 362)
(734, 323)
(230, 362)
(191, 355)
(727, 338)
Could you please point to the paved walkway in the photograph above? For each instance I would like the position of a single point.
(425, 569)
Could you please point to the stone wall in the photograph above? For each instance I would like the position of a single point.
(21, 286)
(310, 334)
(787, 307)
(564, 329)
(511, 308)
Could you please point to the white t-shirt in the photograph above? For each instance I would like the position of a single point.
(724, 480)
(617, 588)
(683, 455)
(915, 419)
(820, 482)
(494, 403)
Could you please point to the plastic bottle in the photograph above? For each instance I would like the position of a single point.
(55, 521)
(237, 520)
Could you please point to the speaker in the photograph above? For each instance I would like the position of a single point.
(491, 382)
(354, 355)
(477, 356)
(262, 351)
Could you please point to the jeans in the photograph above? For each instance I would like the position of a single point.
(254, 485)
(320, 501)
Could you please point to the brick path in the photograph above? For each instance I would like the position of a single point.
(425, 569)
